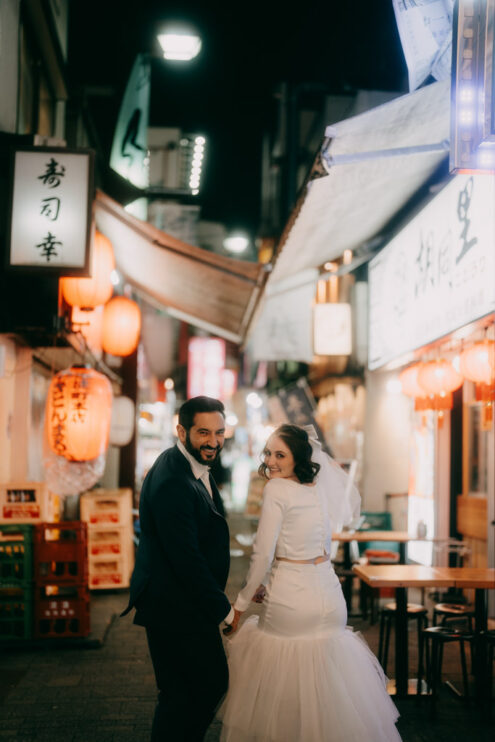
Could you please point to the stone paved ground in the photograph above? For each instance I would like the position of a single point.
(107, 694)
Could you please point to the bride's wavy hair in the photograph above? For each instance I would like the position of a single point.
(297, 441)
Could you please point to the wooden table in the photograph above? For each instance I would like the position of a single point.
(401, 577)
(346, 537)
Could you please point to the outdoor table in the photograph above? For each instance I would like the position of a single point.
(401, 577)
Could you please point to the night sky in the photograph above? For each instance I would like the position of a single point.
(227, 91)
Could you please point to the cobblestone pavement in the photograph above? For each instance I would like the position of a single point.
(107, 694)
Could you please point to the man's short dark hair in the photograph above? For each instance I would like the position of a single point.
(198, 404)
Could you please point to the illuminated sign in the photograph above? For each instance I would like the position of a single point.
(437, 274)
(472, 146)
(205, 367)
(51, 210)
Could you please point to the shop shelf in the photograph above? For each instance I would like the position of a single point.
(107, 507)
(16, 612)
(16, 554)
(61, 611)
(60, 553)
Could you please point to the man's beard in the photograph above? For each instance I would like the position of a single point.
(196, 452)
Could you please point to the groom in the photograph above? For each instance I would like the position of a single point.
(181, 570)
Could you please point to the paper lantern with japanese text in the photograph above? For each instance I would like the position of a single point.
(121, 326)
(78, 413)
(90, 292)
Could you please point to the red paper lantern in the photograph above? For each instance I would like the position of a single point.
(78, 413)
(90, 292)
(411, 387)
(121, 326)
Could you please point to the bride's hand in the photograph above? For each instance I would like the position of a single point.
(259, 595)
(229, 630)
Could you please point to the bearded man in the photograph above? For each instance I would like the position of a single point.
(178, 583)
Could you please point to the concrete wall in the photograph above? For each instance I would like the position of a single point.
(386, 440)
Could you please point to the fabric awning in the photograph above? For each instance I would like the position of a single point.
(207, 290)
(369, 168)
(375, 163)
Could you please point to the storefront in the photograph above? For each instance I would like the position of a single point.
(432, 302)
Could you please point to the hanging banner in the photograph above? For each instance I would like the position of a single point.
(284, 329)
(437, 274)
(129, 156)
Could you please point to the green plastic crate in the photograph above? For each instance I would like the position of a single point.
(16, 554)
(16, 613)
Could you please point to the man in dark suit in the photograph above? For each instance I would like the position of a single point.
(178, 583)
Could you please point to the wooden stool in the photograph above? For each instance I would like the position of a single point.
(387, 616)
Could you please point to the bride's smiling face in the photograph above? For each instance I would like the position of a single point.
(278, 459)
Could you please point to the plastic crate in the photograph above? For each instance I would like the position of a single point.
(109, 541)
(102, 507)
(109, 572)
(61, 611)
(22, 502)
(60, 553)
(16, 613)
(16, 554)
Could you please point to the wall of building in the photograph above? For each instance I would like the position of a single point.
(386, 440)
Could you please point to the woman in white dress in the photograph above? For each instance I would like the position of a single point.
(297, 674)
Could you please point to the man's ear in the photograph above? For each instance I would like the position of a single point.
(181, 433)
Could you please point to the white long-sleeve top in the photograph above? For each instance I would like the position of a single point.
(294, 523)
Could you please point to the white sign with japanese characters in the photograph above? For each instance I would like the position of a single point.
(50, 209)
(437, 274)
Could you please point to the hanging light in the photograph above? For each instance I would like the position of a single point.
(78, 413)
(121, 326)
(90, 292)
(411, 387)
(439, 379)
(477, 364)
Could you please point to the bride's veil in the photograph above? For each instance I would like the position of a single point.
(341, 498)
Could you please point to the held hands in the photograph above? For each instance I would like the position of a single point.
(229, 630)
(259, 595)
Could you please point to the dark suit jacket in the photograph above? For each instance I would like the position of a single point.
(183, 557)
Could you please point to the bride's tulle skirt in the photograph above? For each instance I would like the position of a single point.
(297, 674)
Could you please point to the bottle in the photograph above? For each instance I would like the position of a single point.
(421, 529)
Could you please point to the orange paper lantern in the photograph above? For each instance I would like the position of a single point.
(478, 362)
(90, 292)
(78, 413)
(439, 377)
(121, 326)
(411, 387)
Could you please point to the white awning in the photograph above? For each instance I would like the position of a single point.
(210, 291)
(375, 163)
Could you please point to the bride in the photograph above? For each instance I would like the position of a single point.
(297, 674)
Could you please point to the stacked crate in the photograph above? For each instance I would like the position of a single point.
(16, 582)
(61, 602)
(108, 514)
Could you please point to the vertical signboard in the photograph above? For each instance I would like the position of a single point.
(205, 367)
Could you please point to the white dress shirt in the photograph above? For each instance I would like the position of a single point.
(202, 471)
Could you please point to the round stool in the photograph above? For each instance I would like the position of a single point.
(453, 611)
(439, 636)
(414, 611)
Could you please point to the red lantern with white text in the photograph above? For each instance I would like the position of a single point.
(78, 413)
(121, 326)
(90, 292)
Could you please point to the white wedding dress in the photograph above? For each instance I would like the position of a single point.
(298, 674)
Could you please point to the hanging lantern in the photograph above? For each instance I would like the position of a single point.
(121, 326)
(411, 387)
(89, 292)
(439, 379)
(78, 413)
(123, 421)
(478, 364)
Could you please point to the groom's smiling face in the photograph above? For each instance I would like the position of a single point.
(205, 438)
